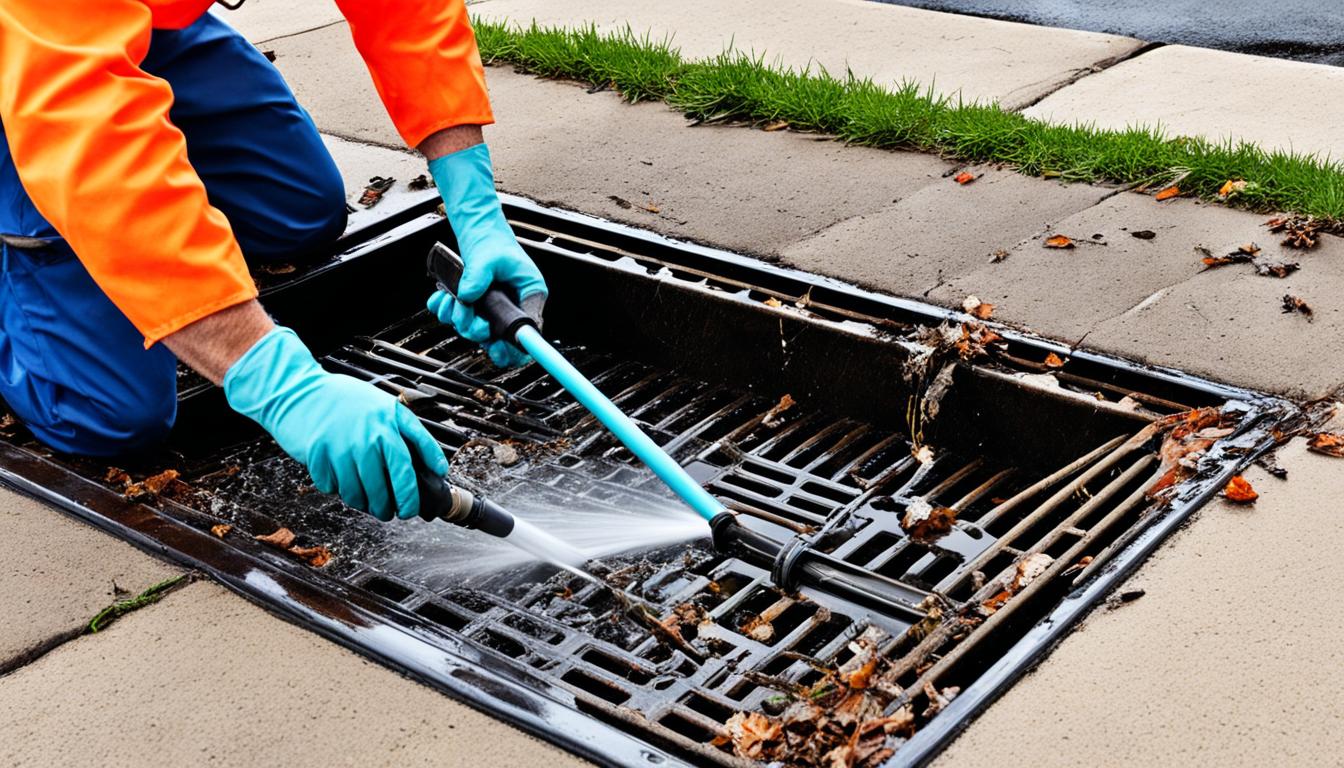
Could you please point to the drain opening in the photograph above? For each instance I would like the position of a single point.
(823, 485)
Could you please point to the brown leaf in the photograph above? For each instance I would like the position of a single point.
(775, 125)
(1029, 569)
(1292, 304)
(923, 521)
(1276, 269)
(998, 256)
(282, 538)
(1231, 188)
(964, 178)
(1235, 257)
(861, 677)
(116, 476)
(1059, 241)
(1328, 443)
(221, 530)
(773, 302)
(1077, 567)
(317, 556)
(1300, 231)
(151, 487)
(652, 208)
(938, 699)
(1239, 491)
(749, 732)
(373, 193)
(976, 308)
(1168, 193)
(1054, 361)
(772, 416)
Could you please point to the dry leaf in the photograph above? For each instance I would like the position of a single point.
(1292, 304)
(1239, 491)
(1029, 569)
(1054, 361)
(964, 178)
(977, 308)
(773, 302)
(1231, 188)
(1300, 231)
(775, 125)
(923, 454)
(923, 521)
(282, 538)
(1328, 443)
(317, 556)
(748, 732)
(151, 487)
(221, 530)
(373, 193)
(1059, 241)
(651, 208)
(1276, 269)
(1168, 193)
(116, 476)
(1077, 567)
(772, 416)
(998, 256)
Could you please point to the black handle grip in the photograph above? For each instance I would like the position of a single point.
(436, 493)
(498, 308)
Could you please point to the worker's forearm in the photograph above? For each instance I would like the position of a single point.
(450, 140)
(212, 344)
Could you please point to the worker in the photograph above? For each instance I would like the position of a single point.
(149, 153)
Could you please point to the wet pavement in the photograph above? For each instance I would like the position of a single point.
(1302, 30)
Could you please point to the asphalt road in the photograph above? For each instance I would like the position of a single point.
(1305, 30)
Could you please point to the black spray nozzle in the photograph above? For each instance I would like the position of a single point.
(500, 310)
(441, 500)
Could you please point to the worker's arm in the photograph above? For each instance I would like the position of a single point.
(90, 137)
(354, 438)
(91, 140)
(427, 70)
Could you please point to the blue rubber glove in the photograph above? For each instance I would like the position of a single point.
(350, 435)
(490, 252)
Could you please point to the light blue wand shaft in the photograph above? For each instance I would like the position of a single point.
(625, 429)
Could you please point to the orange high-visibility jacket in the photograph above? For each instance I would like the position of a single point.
(91, 139)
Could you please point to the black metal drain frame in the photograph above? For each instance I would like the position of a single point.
(407, 642)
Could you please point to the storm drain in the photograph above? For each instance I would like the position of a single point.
(905, 545)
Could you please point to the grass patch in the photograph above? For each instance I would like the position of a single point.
(122, 607)
(735, 86)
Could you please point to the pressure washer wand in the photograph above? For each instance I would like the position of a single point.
(508, 321)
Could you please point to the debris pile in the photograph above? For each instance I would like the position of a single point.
(848, 718)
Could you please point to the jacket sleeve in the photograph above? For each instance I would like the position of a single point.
(424, 63)
(90, 137)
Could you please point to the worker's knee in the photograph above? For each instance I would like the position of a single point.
(134, 421)
(312, 216)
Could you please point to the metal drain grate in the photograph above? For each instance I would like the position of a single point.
(841, 485)
(1042, 466)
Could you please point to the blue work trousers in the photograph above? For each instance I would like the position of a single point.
(72, 367)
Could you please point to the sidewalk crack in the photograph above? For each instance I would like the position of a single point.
(1079, 74)
(98, 623)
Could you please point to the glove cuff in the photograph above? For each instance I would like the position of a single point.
(259, 383)
(466, 182)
